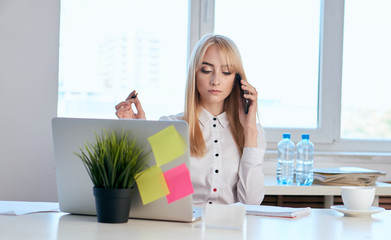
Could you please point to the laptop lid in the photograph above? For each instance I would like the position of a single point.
(74, 186)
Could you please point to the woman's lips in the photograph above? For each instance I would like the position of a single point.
(214, 91)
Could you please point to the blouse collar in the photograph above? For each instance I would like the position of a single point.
(206, 117)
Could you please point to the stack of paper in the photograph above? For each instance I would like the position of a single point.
(272, 211)
(340, 176)
(20, 208)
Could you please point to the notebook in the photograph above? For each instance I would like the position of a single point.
(75, 189)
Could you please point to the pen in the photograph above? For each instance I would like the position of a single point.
(134, 96)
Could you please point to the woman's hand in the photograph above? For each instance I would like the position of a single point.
(124, 109)
(248, 120)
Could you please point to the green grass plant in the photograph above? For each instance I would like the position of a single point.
(113, 160)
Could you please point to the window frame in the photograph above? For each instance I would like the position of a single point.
(327, 136)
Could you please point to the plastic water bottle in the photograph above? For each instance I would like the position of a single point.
(285, 160)
(305, 161)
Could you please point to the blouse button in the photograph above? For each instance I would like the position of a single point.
(215, 141)
(214, 125)
(210, 202)
(216, 171)
(214, 119)
(216, 154)
(214, 189)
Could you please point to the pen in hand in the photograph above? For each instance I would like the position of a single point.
(131, 97)
(134, 96)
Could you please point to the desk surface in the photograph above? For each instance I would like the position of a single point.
(272, 188)
(321, 224)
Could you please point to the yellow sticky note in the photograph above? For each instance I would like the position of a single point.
(151, 184)
(167, 145)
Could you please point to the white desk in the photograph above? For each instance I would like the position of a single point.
(272, 188)
(321, 224)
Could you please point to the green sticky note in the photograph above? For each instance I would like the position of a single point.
(151, 184)
(167, 145)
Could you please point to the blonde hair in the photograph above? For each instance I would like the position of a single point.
(230, 52)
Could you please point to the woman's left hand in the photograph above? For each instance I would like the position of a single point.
(248, 120)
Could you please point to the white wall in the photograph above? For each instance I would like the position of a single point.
(29, 34)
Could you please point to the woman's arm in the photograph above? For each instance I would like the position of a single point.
(250, 187)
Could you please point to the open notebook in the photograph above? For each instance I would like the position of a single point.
(273, 211)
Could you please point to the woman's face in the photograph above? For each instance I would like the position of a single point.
(214, 79)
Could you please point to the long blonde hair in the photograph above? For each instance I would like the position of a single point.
(229, 50)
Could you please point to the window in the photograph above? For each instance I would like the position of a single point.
(366, 101)
(108, 48)
(321, 67)
(280, 51)
(336, 31)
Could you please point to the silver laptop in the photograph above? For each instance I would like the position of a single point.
(74, 186)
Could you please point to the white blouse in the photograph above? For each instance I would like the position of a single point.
(222, 176)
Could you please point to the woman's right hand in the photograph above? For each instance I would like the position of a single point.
(124, 109)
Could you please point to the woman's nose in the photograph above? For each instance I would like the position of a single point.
(215, 79)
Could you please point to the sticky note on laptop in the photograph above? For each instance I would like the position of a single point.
(167, 145)
(151, 184)
(178, 182)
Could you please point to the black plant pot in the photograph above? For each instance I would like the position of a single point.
(112, 205)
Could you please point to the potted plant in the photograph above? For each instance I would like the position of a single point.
(112, 163)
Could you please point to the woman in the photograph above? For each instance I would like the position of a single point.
(226, 145)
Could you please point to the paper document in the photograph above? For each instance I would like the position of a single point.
(272, 211)
(19, 208)
(341, 176)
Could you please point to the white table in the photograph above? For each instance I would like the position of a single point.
(272, 188)
(321, 224)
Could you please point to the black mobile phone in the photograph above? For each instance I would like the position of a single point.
(245, 101)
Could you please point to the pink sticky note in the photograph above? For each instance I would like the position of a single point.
(178, 182)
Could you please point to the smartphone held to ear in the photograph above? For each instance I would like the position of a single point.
(245, 101)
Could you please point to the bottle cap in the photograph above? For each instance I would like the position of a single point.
(305, 136)
(286, 135)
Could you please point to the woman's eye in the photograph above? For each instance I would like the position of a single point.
(227, 73)
(203, 70)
